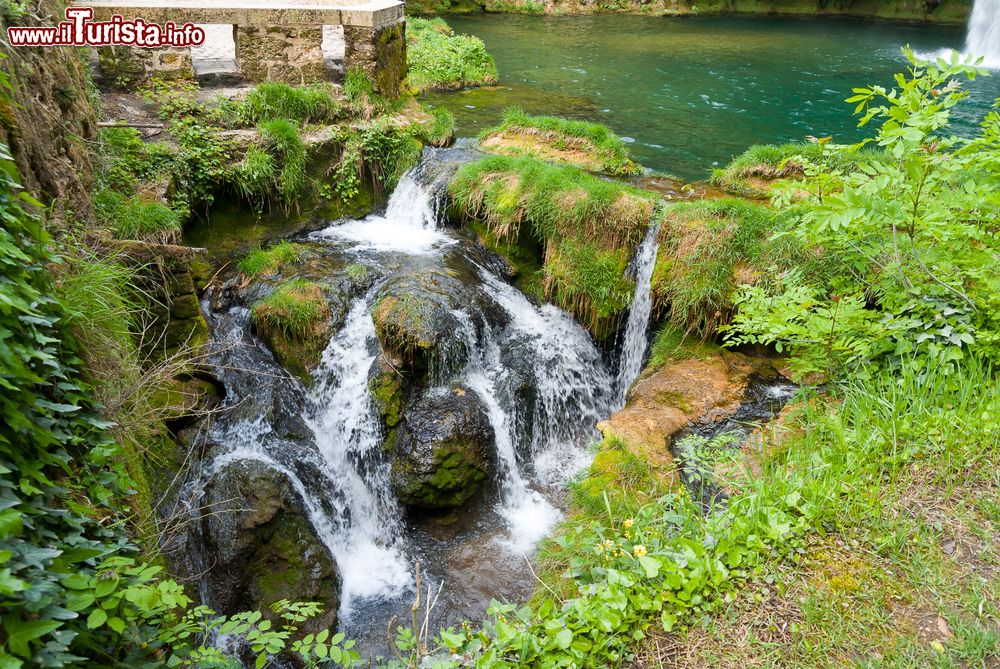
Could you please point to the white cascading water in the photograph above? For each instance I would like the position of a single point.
(636, 341)
(367, 544)
(572, 384)
(983, 37)
(352, 508)
(409, 224)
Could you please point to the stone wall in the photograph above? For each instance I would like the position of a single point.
(380, 53)
(125, 66)
(276, 53)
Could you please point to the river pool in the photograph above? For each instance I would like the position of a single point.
(691, 92)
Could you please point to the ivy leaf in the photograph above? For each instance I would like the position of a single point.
(21, 632)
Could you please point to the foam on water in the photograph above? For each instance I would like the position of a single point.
(409, 224)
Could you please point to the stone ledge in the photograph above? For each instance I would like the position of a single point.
(377, 13)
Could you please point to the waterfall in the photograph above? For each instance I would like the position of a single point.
(339, 476)
(367, 544)
(409, 224)
(635, 342)
(983, 37)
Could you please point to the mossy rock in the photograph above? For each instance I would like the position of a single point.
(443, 451)
(263, 546)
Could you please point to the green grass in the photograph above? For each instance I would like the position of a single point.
(255, 174)
(132, 217)
(314, 103)
(438, 59)
(589, 145)
(260, 261)
(283, 137)
(709, 248)
(293, 310)
(441, 128)
(750, 172)
(670, 344)
(901, 575)
(586, 228)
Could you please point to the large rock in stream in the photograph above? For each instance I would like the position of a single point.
(261, 547)
(443, 450)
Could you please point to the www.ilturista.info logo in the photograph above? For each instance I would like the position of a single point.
(79, 30)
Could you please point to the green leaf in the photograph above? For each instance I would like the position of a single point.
(96, 618)
(651, 565)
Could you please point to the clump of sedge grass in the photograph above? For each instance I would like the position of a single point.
(275, 100)
(132, 217)
(260, 261)
(294, 310)
(283, 136)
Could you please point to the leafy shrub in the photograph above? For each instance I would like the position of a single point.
(126, 159)
(912, 237)
(589, 145)
(438, 59)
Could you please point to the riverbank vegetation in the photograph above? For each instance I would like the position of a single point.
(589, 146)
(438, 59)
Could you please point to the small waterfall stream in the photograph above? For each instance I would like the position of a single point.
(635, 342)
(983, 38)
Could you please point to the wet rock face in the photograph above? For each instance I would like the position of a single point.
(443, 450)
(262, 546)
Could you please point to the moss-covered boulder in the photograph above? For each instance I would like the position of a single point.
(443, 450)
(386, 385)
(416, 323)
(262, 545)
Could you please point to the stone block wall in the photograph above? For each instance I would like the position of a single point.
(127, 66)
(293, 55)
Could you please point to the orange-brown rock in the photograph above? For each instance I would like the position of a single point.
(671, 398)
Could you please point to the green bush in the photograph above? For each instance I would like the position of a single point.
(912, 238)
(438, 59)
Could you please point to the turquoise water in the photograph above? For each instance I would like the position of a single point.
(692, 92)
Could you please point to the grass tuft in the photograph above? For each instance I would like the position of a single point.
(751, 173)
(132, 217)
(260, 261)
(294, 310)
(275, 100)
